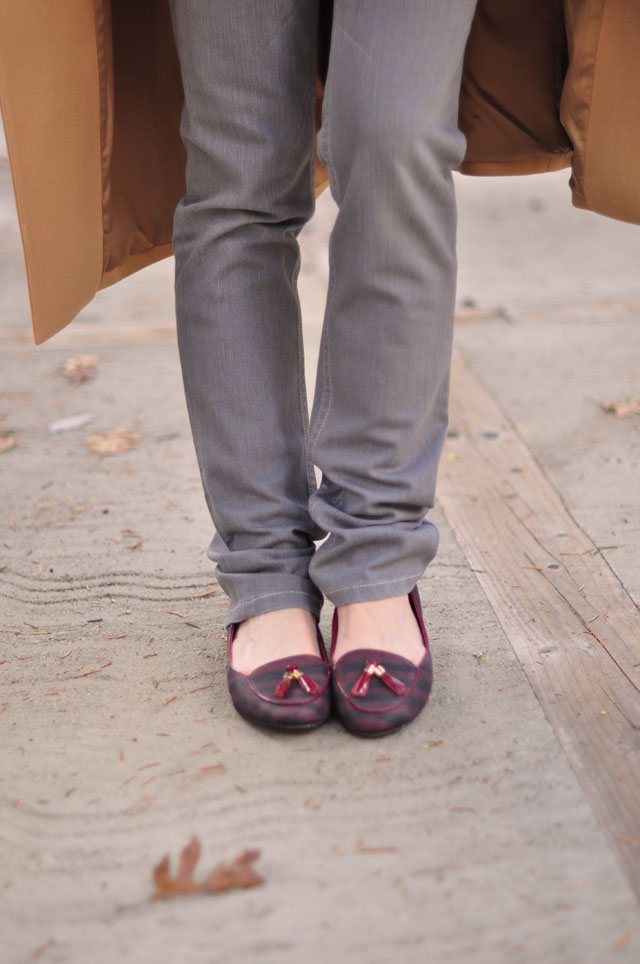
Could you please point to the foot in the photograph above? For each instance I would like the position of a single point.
(274, 635)
(386, 624)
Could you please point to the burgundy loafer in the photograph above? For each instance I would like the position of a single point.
(377, 692)
(285, 694)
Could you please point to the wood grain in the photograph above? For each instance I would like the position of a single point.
(570, 621)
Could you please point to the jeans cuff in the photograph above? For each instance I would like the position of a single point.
(268, 602)
(365, 592)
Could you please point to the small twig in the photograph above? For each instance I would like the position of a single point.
(90, 672)
(630, 840)
(363, 849)
(585, 552)
(43, 947)
(219, 767)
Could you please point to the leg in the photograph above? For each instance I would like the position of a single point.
(390, 140)
(249, 77)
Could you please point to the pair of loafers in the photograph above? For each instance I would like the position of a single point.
(374, 692)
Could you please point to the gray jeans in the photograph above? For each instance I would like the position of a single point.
(390, 139)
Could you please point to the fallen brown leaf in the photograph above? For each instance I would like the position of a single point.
(238, 873)
(81, 368)
(113, 442)
(623, 407)
(7, 441)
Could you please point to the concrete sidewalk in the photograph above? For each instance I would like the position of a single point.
(467, 837)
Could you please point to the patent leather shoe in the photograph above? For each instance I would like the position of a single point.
(293, 693)
(377, 692)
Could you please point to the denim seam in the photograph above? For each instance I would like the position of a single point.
(284, 592)
(366, 585)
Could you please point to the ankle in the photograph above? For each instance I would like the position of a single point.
(273, 635)
(387, 624)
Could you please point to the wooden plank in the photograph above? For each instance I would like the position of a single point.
(571, 623)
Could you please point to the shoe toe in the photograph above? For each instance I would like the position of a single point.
(305, 704)
(380, 709)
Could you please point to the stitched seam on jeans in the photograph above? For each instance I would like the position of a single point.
(366, 585)
(284, 592)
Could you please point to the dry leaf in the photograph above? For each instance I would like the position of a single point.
(238, 873)
(7, 441)
(624, 407)
(111, 443)
(80, 369)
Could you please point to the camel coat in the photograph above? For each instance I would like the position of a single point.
(91, 97)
